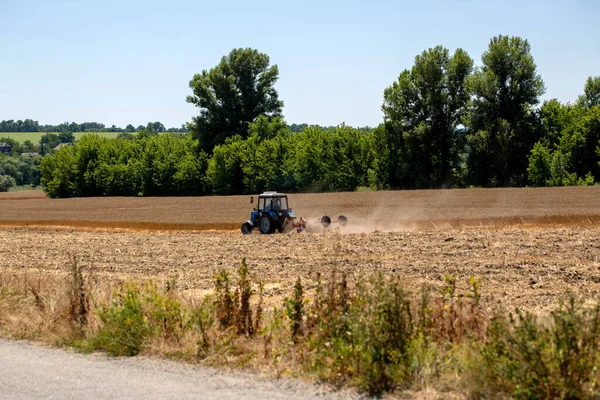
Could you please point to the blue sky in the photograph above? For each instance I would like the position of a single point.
(121, 62)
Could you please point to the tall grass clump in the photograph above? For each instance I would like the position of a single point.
(362, 337)
(379, 337)
(527, 357)
(78, 295)
(137, 314)
(232, 306)
(124, 328)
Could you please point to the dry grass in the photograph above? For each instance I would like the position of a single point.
(39, 307)
(370, 334)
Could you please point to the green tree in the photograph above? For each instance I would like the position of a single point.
(58, 173)
(232, 95)
(422, 111)
(591, 96)
(157, 126)
(555, 117)
(156, 165)
(571, 134)
(126, 136)
(267, 128)
(24, 170)
(264, 157)
(579, 142)
(6, 182)
(502, 123)
(539, 165)
(66, 137)
(48, 142)
(224, 174)
(559, 174)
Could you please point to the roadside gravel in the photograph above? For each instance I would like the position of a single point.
(31, 372)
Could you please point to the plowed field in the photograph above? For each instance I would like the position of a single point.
(528, 246)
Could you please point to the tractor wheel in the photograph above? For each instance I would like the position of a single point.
(266, 225)
(342, 220)
(246, 228)
(325, 221)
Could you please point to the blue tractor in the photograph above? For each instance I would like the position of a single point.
(273, 214)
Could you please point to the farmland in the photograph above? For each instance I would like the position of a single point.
(164, 277)
(528, 246)
(35, 137)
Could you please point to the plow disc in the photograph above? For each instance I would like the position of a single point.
(303, 224)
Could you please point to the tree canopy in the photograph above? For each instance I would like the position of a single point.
(446, 124)
(422, 111)
(502, 126)
(232, 95)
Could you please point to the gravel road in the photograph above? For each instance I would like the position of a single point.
(31, 372)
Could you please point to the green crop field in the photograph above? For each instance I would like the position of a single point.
(35, 137)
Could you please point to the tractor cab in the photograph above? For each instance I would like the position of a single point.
(272, 201)
(271, 213)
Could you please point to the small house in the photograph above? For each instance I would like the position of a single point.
(62, 145)
(5, 148)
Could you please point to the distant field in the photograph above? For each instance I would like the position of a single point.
(35, 137)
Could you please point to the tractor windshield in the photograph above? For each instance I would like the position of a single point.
(280, 203)
(272, 203)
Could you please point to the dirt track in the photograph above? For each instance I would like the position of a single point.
(544, 241)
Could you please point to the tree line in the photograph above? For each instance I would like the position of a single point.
(272, 157)
(447, 123)
(29, 125)
(19, 171)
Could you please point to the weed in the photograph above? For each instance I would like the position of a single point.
(259, 308)
(124, 329)
(452, 318)
(79, 302)
(203, 319)
(294, 309)
(374, 334)
(233, 309)
(37, 297)
(224, 302)
(244, 313)
(529, 358)
(163, 312)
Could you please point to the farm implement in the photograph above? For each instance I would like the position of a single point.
(273, 214)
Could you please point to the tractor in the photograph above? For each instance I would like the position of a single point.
(273, 214)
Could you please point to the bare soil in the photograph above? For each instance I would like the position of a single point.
(528, 246)
(367, 211)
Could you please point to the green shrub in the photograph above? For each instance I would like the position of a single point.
(124, 329)
(363, 337)
(382, 329)
(530, 358)
(163, 312)
(6, 182)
